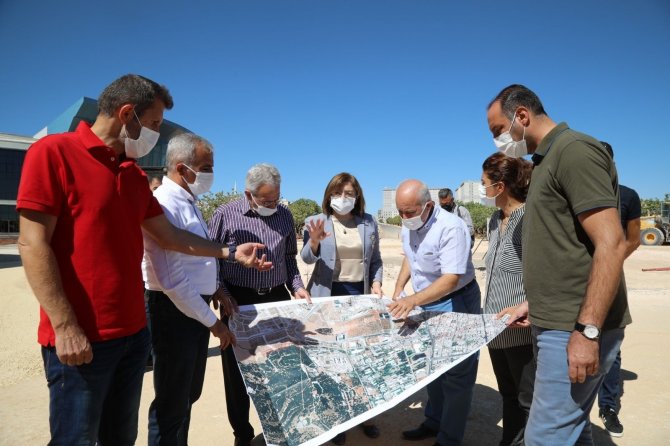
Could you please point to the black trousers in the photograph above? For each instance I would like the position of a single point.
(514, 368)
(180, 358)
(237, 400)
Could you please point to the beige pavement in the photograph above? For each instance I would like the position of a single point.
(646, 369)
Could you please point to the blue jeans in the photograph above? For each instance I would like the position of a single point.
(180, 346)
(99, 401)
(560, 411)
(450, 395)
(610, 390)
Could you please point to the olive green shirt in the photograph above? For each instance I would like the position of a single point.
(573, 173)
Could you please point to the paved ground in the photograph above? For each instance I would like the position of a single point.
(645, 404)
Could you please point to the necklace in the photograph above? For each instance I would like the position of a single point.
(343, 225)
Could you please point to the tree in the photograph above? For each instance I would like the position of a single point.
(210, 201)
(479, 213)
(394, 220)
(650, 206)
(301, 209)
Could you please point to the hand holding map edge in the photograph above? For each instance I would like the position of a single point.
(518, 315)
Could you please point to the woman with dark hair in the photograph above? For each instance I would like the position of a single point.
(343, 245)
(505, 180)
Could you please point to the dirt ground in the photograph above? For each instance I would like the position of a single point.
(645, 411)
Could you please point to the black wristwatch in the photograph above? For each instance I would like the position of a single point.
(231, 253)
(589, 331)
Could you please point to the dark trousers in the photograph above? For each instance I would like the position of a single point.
(97, 403)
(610, 390)
(237, 400)
(514, 368)
(180, 356)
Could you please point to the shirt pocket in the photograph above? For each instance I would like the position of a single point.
(428, 262)
(510, 258)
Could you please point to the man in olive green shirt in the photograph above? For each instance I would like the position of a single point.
(573, 251)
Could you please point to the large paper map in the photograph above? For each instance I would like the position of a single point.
(313, 371)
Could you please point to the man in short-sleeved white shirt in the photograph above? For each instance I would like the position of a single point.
(179, 288)
(438, 260)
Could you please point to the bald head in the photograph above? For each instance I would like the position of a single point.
(410, 198)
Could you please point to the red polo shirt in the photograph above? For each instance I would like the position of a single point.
(100, 201)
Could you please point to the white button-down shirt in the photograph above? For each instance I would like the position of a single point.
(441, 246)
(183, 278)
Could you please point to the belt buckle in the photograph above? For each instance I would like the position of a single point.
(263, 291)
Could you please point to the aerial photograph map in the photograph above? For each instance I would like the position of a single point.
(315, 370)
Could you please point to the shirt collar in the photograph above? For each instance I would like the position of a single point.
(87, 137)
(547, 142)
(431, 219)
(246, 207)
(177, 189)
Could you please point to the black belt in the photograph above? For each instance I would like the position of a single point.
(259, 291)
(472, 283)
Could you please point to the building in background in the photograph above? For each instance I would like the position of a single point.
(389, 209)
(13, 151)
(468, 192)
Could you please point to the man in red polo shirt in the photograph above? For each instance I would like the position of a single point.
(82, 202)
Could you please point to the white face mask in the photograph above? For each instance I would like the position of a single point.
(137, 148)
(511, 148)
(203, 182)
(414, 223)
(262, 210)
(486, 200)
(342, 205)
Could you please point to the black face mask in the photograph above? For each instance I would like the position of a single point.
(448, 207)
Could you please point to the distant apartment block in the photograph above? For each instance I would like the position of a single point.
(468, 192)
(388, 202)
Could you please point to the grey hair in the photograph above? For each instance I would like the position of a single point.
(181, 149)
(261, 174)
(423, 194)
(445, 193)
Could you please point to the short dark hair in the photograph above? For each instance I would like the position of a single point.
(338, 182)
(515, 96)
(445, 193)
(514, 173)
(133, 89)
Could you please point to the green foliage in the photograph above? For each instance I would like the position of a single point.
(301, 209)
(652, 206)
(479, 214)
(210, 201)
(394, 220)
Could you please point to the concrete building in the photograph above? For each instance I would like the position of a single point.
(13, 150)
(468, 192)
(388, 202)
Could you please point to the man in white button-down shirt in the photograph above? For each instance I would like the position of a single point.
(438, 260)
(179, 289)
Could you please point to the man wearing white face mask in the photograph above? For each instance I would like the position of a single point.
(573, 250)
(256, 216)
(83, 203)
(179, 288)
(438, 260)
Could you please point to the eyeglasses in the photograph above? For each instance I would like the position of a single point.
(492, 184)
(346, 193)
(266, 204)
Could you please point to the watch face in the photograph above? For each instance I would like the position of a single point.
(591, 332)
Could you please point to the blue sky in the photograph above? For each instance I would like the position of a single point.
(386, 89)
